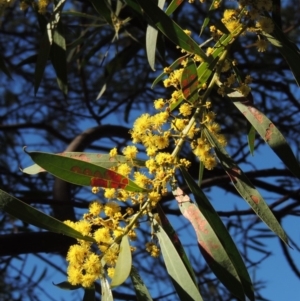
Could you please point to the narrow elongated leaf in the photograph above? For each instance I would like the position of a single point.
(48, 30)
(89, 294)
(176, 241)
(276, 13)
(41, 62)
(210, 245)
(189, 81)
(251, 139)
(217, 225)
(65, 285)
(170, 29)
(183, 282)
(173, 6)
(288, 50)
(123, 266)
(117, 63)
(268, 131)
(79, 15)
(32, 216)
(102, 9)
(151, 39)
(58, 58)
(214, 5)
(103, 160)
(82, 173)
(246, 189)
(105, 290)
(207, 67)
(141, 291)
(201, 172)
(135, 6)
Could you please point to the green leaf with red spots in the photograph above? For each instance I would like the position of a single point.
(246, 189)
(189, 81)
(82, 173)
(170, 29)
(243, 281)
(173, 6)
(267, 130)
(183, 283)
(103, 160)
(176, 242)
(32, 216)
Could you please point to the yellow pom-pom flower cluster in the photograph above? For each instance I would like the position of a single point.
(102, 223)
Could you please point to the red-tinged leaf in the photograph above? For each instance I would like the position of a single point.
(189, 81)
(170, 29)
(210, 246)
(267, 130)
(176, 242)
(82, 173)
(246, 189)
(220, 230)
(173, 6)
(32, 216)
(103, 160)
(183, 283)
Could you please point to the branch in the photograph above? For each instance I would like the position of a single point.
(34, 242)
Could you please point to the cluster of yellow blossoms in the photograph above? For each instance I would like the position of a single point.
(103, 224)
(41, 5)
(249, 16)
(178, 122)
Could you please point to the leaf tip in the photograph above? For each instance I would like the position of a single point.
(24, 149)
